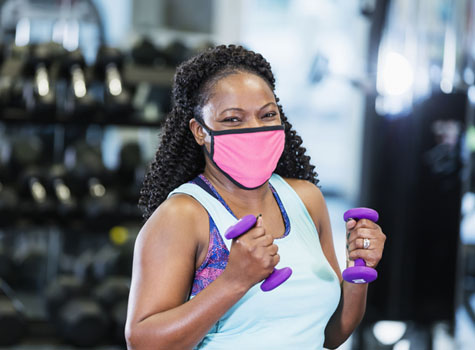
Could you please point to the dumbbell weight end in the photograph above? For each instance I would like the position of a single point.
(276, 278)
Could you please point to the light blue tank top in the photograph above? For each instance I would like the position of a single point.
(295, 314)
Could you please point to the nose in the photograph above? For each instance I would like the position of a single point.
(255, 122)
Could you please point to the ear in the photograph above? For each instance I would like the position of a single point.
(198, 132)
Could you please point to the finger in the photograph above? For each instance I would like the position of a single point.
(350, 224)
(358, 244)
(259, 222)
(255, 233)
(276, 259)
(361, 233)
(366, 223)
(265, 240)
(273, 249)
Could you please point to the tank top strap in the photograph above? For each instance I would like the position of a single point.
(222, 217)
(300, 218)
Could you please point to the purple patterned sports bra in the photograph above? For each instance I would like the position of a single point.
(218, 254)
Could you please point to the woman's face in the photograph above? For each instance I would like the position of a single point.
(241, 100)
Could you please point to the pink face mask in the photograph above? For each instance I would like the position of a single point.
(248, 156)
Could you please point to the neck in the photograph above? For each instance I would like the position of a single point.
(235, 196)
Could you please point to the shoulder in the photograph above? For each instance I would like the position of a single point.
(180, 217)
(179, 207)
(308, 192)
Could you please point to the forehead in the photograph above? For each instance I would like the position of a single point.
(240, 90)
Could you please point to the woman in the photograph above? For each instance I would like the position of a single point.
(228, 151)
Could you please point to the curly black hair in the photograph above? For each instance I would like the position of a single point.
(179, 158)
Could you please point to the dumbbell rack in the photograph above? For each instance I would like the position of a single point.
(52, 95)
(57, 232)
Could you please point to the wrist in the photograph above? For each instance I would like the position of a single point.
(234, 284)
(356, 291)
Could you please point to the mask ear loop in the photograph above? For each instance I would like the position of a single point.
(203, 125)
(210, 133)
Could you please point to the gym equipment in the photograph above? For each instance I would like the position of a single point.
(278, 276)
(177, 52)
(146, 53)
(40, 91)
(12, 77)
(117, 99)
(27, 181)
(126, 248)
(83, 322)
(90, 178)
(8, 195)
(129, 176)
(37, 202)
(13, 326)
(100, 201)
(6, 265)
(83, 265)
(105, 262)
(113, 295)
(130, 160)
(26, 150)
(149, 73)
(78, 318)
(360, 273)
(112, 290)
(78, 102)
(56, 183)
(32, 268)
(8, 203)
(59, 291)
(32, 258)
(113, 258)
(119, 317)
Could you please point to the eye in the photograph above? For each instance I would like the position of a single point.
(270, 115)
(231, 119)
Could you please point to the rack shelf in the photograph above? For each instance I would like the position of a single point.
(20, 116)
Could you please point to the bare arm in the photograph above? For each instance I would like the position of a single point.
(352, 305)
(159, 315)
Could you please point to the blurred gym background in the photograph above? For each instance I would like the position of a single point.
(382, 92)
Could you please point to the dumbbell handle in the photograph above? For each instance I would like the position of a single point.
(360, 273)
(277, 277)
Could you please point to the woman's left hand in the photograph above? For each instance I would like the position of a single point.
(357, 233)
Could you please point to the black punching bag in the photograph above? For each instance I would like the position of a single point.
(414, 179)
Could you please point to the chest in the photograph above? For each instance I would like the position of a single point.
(273, 216)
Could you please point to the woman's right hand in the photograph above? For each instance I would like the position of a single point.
(252, 258)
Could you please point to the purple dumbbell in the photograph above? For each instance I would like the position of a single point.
(360, 273)
(277, 277)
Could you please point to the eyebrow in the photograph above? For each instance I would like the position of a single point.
(241, 110)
